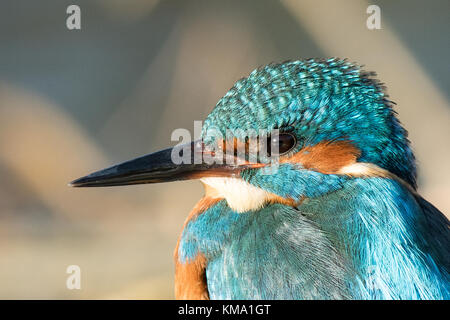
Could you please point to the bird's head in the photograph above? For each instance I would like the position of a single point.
(321, 120)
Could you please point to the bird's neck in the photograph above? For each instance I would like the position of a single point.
(360, 236)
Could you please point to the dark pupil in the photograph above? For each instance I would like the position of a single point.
(285, 141)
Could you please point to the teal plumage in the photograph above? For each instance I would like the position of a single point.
(366, 237)
(371, 239)
(339, 218)
(318, 100)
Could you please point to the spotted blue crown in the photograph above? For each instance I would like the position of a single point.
(319, 100)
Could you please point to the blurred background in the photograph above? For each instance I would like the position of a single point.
(74, 101)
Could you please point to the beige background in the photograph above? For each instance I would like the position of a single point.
(76, 101)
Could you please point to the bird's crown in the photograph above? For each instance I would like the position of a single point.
(319, 101)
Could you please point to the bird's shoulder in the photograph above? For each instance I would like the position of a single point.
(396, 241)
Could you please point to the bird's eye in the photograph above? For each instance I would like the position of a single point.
(285, 142)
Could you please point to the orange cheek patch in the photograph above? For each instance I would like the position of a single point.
(190, 277)
(285, 201)
(325, 157)
(233, 150)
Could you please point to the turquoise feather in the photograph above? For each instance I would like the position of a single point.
(350, 238)
(319, 100)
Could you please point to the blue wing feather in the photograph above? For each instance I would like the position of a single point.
(372, 239)
(397, 243)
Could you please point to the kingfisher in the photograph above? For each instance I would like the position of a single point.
(336, 216)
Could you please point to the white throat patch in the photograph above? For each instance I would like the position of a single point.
(240, 195)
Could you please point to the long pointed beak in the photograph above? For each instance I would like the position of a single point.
(159, 167)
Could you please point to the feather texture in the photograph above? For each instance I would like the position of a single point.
(344, 220)
(369, 240)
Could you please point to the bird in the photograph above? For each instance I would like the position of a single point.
(333, 214)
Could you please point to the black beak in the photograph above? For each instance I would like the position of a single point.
(159, 167)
